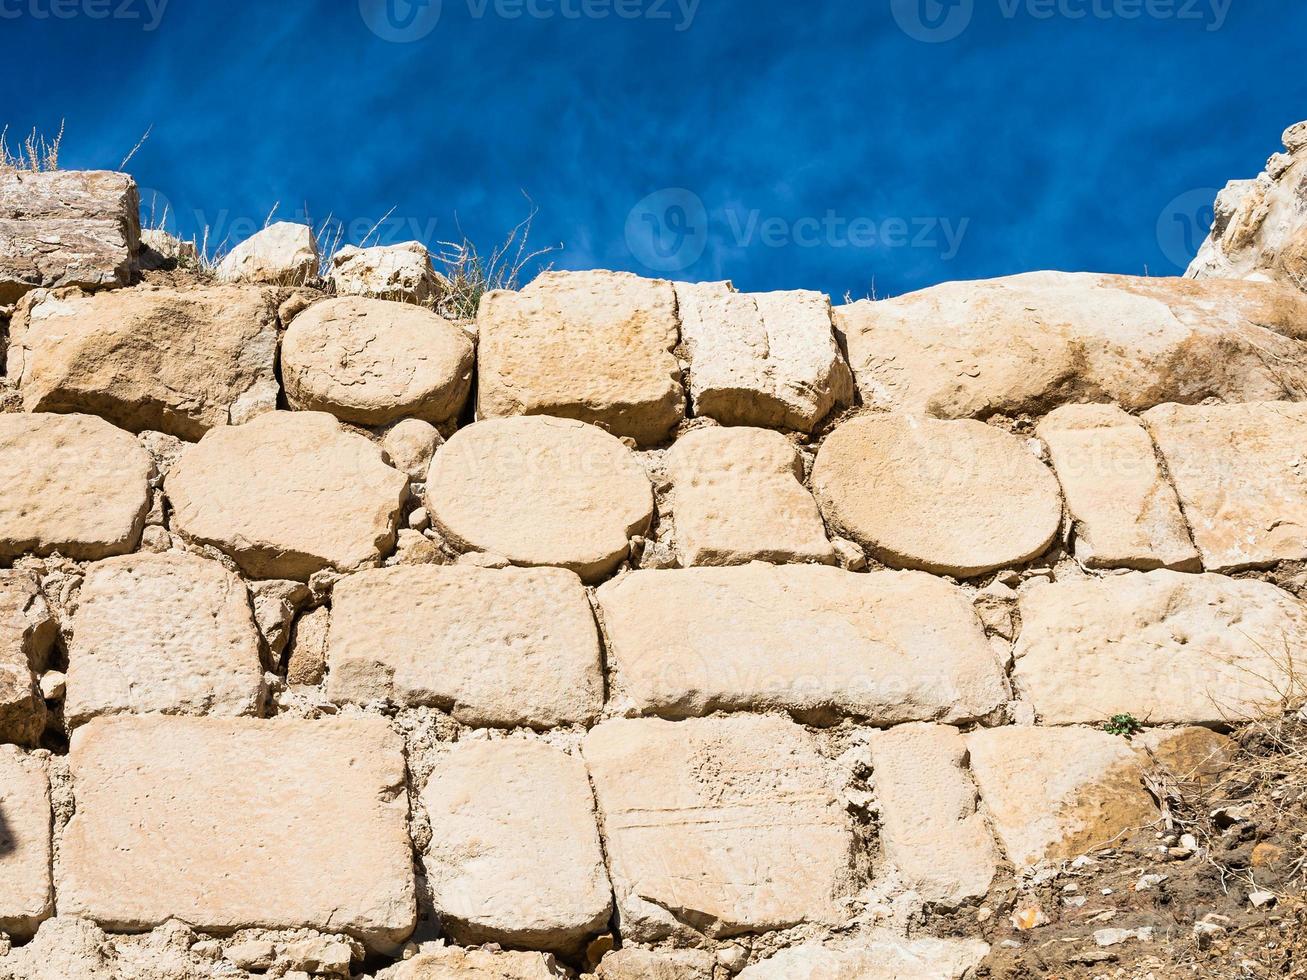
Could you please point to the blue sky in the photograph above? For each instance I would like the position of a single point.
(783, 145)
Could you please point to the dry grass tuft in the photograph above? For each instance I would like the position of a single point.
(471, 274)
(34, 155)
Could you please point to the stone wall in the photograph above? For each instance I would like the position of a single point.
(638, 629)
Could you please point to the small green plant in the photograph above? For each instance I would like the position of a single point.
(1123, 725)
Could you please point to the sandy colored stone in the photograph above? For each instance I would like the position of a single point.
(160, 250)
(27, 635)
(594, 346)
(633, 963)
(931, 829)
(955, 498)
(1126, 513)
(398, 272)
(1056, 793)
(287, 495)
(819, 642)
(70, 948)
(721, 826)
(738, 496)
(306, 659)
(1190, 754)
(409, 446)
(767, 359)
(540, 491)
(453, 963)
(373, 361)
(163, 634)
(1260, 226)
(276, 603)
(66, 228)
(880, 955)
(1165, 647)
(26, 895)
(1028, 343)
(494, 647)
(1241, 473)
(180, 361)
(232, 823)
(72, 484)
(282, 254)
(514, 856)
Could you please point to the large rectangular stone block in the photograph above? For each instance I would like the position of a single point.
(234, 823)
(26, 897)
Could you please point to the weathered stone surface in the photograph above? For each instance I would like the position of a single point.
(1126, 513)
(515, 856)
(1260, 226)
(399, 272)
(540, 491)
(453, 963)
(409, 446)
(594, 346)
(276, 602)
(819, 642)
(66, 228)
(633, 963)
(70, 948)
(720, 826)
(1056, 793)
(160, 250)
(26, 895)
(878, 956)
(766, 359)
(955, 498)
(1190, 754)
(287, 495)
(738, 496)
(372, 361)
(1032, 342)
(931, 830)
(505, 647)
(72, 484)
(306, 659)
(27, 634)
(163, 634)
(282, 254)
(1165, 647)
(1239, 471)
(229, 823)
(175, 361)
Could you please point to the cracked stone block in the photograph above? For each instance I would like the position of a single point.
(27, 635)
(1166, 647)
(1241, 473)
(180, 361)
(66, 228)
(932, 831)
(240, 823)
(593, 346)
(165, 634)
(1126, 513)
(880, 955)
(494, 647)
(765, 359)
(515, 857)
(719, 826)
